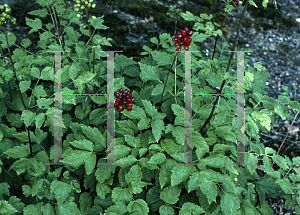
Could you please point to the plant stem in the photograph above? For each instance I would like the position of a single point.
(228, 65)
(12, 63)
(167, 79)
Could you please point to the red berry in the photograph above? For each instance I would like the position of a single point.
(176, 44)
(187, 44)
(129, 108)
(178, 32)
(186, 47)
(189, 40)
(179, 37)
(185, 39)
(175, 39)
(125, 91)
(129, 100)
(178, 50)
(129, 104)
(116, 103)
(120, 90)
(181, 43)
(186, 29)
(132, 99)
(120, 107)
(190, 33)
(128, 92)
(117, 95)
(183, 33)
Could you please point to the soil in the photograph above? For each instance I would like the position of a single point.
(274, 35)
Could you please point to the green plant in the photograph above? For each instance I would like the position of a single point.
(149, 139)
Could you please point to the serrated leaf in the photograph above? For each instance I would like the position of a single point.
(48, 209)
(7, 208)
(83, 144)
(166, 210)
(230, 203)
(190, 208)
(178, 133)
(102, 189)
(24, 86)
(67, 208)
(121, 194)
(157, 128)
(170, 194)
(158, 158)
(181, 173)
(39, 120)
(61, 190)
(148, 73)
(28, 117)
(85, 202)
(18, 152)
(4, 189)
(77, 158)
(138, 206)
(33, 209)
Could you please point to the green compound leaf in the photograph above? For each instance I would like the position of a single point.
(181, 173)
(149, 108)
(61, 190)
(77, 158)
(157, 128)
(4, 189)
(102, 189)
(119, 208)
(67, 208)
(47, 209)
(229, 203)
(35, 24)
(190, 208)
(85, 202)
(132, 141)
(17, 152)
(178, 133)
(170, 194)
(39, 120)
(15, 119)
(138, 206)
(24, 86)
(39, 92)
(158, 158)
(148, 73)
(97, 23)
(33, 209)
(166, 210)
(94, 135)
(6, 208)
(83, 144)
(158, 89)
(121, 194)
(162, 58)
(133, 179)
(11, 40)
(28, 117)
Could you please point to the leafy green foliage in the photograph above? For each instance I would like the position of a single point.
(149, 140)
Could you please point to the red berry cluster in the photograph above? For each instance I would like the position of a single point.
(123, 98)
(234, 2)
(183, 38)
